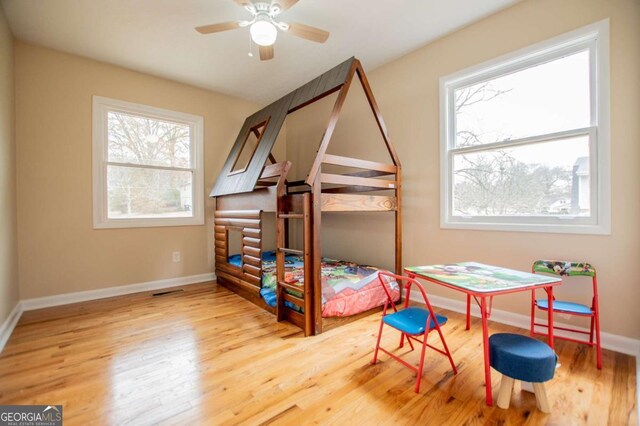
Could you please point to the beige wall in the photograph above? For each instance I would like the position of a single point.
(59, 251)
(8, 239)
(408, 94)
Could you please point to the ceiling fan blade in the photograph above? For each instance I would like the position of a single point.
(216, 28)
(308, 32)
(247, 4)
(266, 53)
(284, 4)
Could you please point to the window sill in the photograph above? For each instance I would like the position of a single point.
(147, 223)
(528, 227)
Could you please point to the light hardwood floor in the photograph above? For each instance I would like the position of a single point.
(207, 356)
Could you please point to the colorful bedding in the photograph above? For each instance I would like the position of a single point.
(347, 288)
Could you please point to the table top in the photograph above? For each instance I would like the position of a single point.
(480, 278)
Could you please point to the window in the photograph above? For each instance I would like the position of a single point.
(525, 139)
(147, 166)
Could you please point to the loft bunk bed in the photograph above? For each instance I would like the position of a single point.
(248, 187)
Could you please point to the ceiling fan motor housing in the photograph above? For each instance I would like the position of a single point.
(262, 7)
(264, 27)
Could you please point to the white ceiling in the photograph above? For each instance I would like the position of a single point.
(158, 36)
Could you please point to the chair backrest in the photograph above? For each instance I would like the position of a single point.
(406, 283)
(568, 269)
(564, 268)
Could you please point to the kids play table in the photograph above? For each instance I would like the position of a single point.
(482, 282)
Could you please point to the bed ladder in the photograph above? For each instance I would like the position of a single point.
(286, 211)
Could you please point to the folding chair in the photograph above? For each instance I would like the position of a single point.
(564, 268)
(412, 322)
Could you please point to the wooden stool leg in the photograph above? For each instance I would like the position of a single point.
(504, 395)
(541, 397)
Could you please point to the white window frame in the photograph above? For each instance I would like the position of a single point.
(594, 37)
(101, 107)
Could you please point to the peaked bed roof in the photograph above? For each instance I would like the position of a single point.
(270, 119)
(274, 115)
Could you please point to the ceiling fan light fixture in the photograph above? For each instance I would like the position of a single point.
(263, 33)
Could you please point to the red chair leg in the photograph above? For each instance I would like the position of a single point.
(598, 345)
(596, 316)
(421, 365)
(533, 311)
(402, 336)
(375, 353)
(409, 342)
(593, 319)
(446, 349)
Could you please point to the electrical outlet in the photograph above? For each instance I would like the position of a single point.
(176, 256)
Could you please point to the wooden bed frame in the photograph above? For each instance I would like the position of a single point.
(243, 196)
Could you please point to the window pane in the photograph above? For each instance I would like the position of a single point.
(149, 141)
(149, 193)
(547, 178)
(546, 98)
(249, 148)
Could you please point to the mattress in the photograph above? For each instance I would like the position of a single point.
(347, 287)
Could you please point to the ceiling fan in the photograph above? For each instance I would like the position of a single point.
(264, 26)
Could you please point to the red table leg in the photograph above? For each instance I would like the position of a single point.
(550, 315)
(468, 311)
(485, 344)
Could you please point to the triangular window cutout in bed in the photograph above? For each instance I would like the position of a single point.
(248, 148)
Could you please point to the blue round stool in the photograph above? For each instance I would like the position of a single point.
(520, 357)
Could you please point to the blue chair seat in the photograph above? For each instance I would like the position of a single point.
(412, 320)
(562, 306)
(522, 357)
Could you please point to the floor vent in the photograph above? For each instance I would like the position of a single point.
(164, 293)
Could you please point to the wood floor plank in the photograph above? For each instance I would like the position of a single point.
(206, 356)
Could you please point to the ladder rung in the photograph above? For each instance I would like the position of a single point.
(293, 299)
(291, 287)
(291, 251)
(291, 215)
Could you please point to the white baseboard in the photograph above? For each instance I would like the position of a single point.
(9, 324)
(83, 296)
(614, 342)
